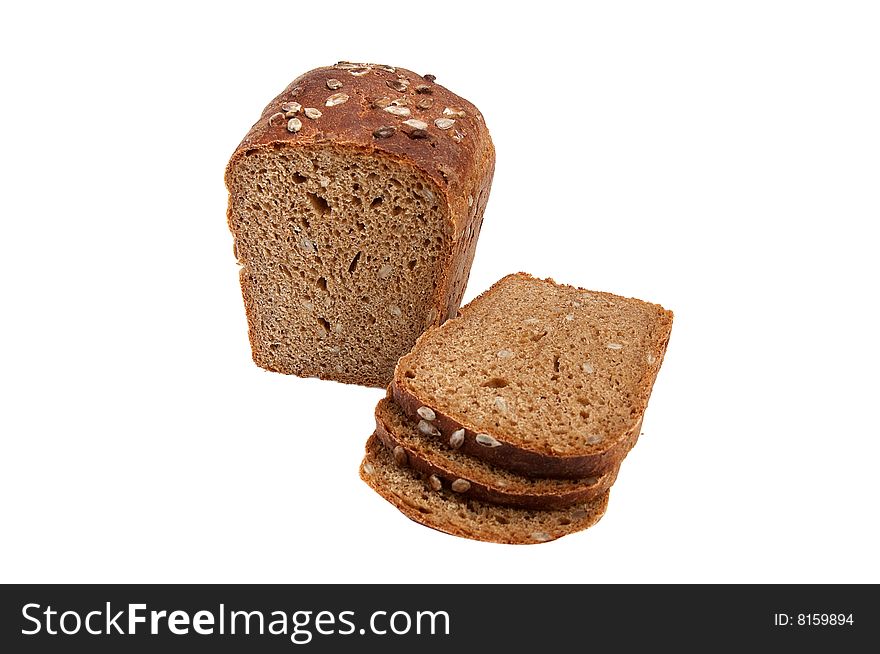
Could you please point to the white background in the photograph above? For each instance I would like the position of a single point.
(721, 159)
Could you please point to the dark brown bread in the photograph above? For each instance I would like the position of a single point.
(356, 201)
(545, 379)
(448, 512)
(446, 467)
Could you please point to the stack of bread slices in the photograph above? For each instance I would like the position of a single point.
(509, 423)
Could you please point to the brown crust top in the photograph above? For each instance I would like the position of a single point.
(458, 156)
(536, 498)
(516, 457)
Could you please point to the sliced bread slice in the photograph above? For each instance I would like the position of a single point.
(446, 467)
(545, 379)
(448, 512)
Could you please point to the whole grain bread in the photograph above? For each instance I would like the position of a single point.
(356, 201)
(444, 466)
(451, 513)
(545, 379)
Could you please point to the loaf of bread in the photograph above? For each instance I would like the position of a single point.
(447, 511)
(545, 379)
(413, 444)
(356, 201)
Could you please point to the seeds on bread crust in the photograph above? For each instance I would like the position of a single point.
(415, 123)
(427, 413)
(335, 99)
(454, 112)
(381, 103)
(456, 440)
(461, 486)
(294, 125)
(384, 133)
(435, 483)
(397, 84)
(276, 119)
(428, 429)
(312, 113)
(398, 111)
(541, 536)
(334, 84)
(486, 441)
(290, 109)
(444, 123)
(425, 103)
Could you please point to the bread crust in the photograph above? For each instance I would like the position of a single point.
(459, 160)
(513, 531)
(585, 491)
(517, 458)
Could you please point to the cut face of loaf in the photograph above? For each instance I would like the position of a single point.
(545, 379)
(446, 511)
(415, 445)
(355, 231)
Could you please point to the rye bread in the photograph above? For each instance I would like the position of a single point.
(546, 379)
(448, 512)
(356, 201)
(447, 467)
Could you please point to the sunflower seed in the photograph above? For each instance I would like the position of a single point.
(444, 123)
(435, 482)
(276, 119)
(307, 305)
(400, 102)
(456, 440)
(505, 354)
(384, 132)
(588, 368)
(457, 136)
(591, 481)
(470, 199)
(291, 108)
(424, 88)
(430, 77)
(428, 429)
(387, 69)
(398, 111)
(307, 246)
(312, 113)
(569, 317)
(395, 311)
(418, 134)
(381, 103)
(400, 457)
(334, 84)
(614, 346)
(397, 84)
(415, 123)
(453, 112)
(294, 125)
(335, 99)
(427, 413)
(594, 438)
(345, 65)
(369, 469)
(360, 72)
(425, 103)
(579, 514)
(385, 271)
(486, 441)
(541, 536)
(461, 486)
(501, 404)
(651, 358)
